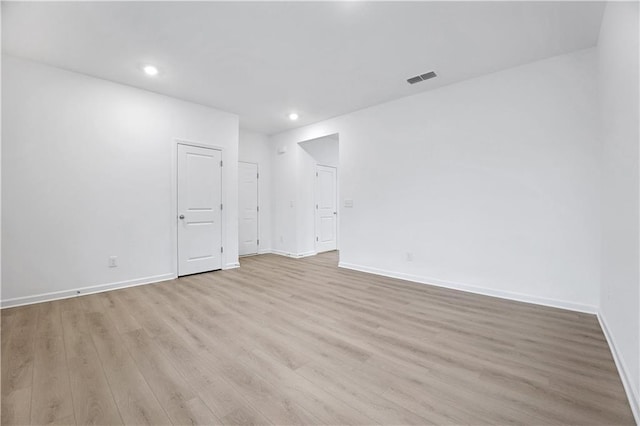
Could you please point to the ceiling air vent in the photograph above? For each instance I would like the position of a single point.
(423, 77)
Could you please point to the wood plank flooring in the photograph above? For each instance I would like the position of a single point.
(282, 341)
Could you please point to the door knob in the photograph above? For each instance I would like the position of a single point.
(335, 212)
(181, 216)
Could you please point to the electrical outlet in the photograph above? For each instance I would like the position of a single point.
(113, 261)
(409, 257)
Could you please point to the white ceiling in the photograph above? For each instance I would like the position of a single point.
(262, 60)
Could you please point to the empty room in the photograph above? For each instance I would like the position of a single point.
(320, 213)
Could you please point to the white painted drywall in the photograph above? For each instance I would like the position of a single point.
(491, 184)
(618, 83)
(254, 148)
(323, 150)
(0, 164)
(87, 174)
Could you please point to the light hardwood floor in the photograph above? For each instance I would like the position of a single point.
(282, 341)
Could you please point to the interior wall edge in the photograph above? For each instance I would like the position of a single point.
(83, 291)
(469, 288)
(632, 394)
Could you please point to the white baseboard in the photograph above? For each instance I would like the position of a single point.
(632, 394)
(81, 291)
(474, 289)
(307, 254)
(260, 251)
(232, 265)
(294, 255)
(282, 253)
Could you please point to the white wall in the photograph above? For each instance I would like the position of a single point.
(492, 184)
(87, 174)
(324, 150)
(255, 148)
(0, 163)
(618, 82)
(284, 197)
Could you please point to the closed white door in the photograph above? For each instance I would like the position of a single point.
(199, 209)
(326, 209)
(247, 208)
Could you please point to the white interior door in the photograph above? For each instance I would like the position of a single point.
(326, 209)
(247, 208)
(199, 209)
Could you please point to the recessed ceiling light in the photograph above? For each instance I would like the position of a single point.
(150, 70)
(293, 116)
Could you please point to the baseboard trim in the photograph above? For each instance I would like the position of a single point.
(260, 251)
(82, 291)
(632, 394)
(233, 265)
(293, 255)
(282, 253)
(554, 303)
(308, 253)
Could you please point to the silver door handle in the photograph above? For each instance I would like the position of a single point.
(335, 212)
(181, 216)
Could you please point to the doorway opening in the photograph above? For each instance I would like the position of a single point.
(248, 209)
(321, 162)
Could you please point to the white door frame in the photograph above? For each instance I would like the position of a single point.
(174, 198)
(315, 212)
(257, 203)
